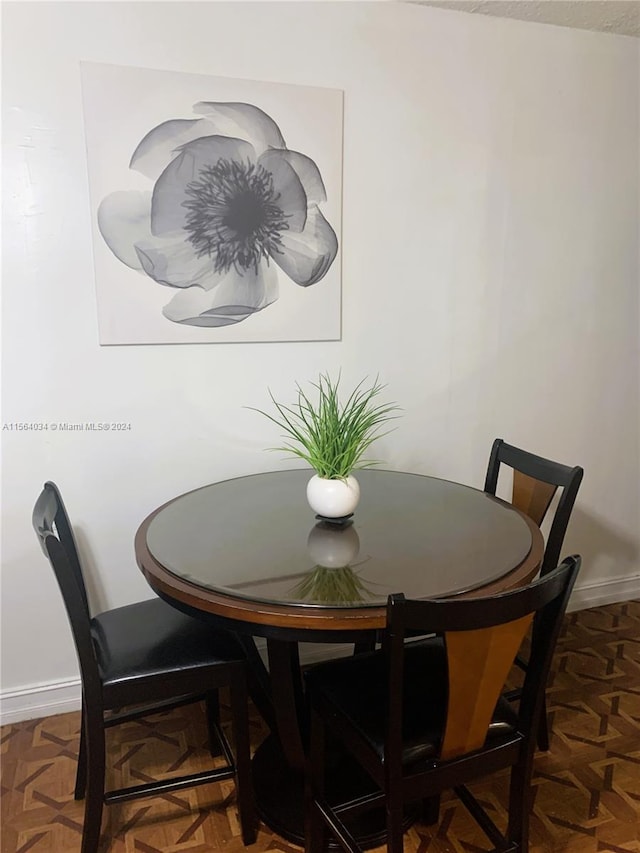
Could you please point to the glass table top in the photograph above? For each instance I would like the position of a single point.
(256, 538)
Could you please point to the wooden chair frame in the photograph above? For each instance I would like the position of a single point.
(535, 482)
(495, 621)
(162, 692)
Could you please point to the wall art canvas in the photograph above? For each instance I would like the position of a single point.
(216, 207)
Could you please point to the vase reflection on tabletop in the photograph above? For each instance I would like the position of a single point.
(333, 549)
(332, 580)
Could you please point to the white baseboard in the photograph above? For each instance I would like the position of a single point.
(58, 697)
(604, 592)
(39, 700)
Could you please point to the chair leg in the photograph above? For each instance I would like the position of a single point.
(244, 785)
(520, 804)
(368, 645)
(212, 707)
(431, 810)
(395, 814)
(314, 825)
(81, 769)
(543, 728)
(95, 746)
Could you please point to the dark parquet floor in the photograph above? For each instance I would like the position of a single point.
(586, 788)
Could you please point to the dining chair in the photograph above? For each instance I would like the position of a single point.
(427, 715)
(535, 482)
(147, 655)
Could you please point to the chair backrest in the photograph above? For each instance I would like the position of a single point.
(535, 482)
(52, 527)
(482, 637)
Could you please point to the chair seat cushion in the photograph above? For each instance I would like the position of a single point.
(152, 638)
(356, 688)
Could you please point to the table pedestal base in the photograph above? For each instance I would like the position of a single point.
(280, 796)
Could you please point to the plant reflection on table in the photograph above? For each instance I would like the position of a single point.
(332, 580)
(332, 586)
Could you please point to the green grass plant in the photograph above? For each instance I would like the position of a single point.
(329, 435)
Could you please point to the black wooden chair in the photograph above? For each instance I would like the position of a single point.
(427, 715)
(535, 482)
(143, 653)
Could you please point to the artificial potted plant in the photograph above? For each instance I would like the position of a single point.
(332, 437)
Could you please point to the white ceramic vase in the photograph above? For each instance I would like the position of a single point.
(333, 498)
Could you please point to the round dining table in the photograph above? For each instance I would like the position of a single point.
(248, 554)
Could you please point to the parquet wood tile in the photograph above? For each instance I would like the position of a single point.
(586, 788)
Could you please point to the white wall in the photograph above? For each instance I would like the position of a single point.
(490, 275)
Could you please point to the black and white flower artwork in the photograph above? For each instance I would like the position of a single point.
(210, 227)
